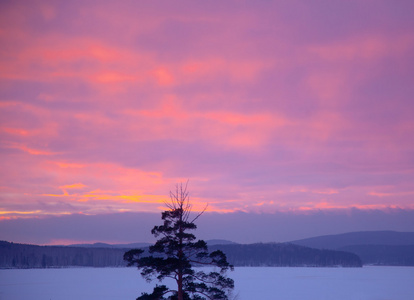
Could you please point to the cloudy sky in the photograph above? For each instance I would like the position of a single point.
(266, 107)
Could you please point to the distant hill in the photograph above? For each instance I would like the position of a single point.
(220, 242)
(140, 245)
(358, 238)
(373, 247)
(390, 255)
(104, 245)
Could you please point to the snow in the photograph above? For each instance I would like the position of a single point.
(326, 283)
(367, 283)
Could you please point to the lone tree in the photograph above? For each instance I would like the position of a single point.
(176, 254)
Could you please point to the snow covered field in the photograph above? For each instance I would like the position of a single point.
(376, 283)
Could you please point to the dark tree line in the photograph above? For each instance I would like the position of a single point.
(13, 255)
(286, 255)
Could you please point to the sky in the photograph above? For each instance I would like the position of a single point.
(269, 109)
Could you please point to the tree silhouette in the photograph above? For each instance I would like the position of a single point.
(176, 254)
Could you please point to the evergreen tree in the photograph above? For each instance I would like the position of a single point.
(176, 254)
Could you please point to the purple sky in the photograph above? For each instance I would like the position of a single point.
(267, 107)
(239, 227)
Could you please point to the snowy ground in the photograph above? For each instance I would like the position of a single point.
(368, 283)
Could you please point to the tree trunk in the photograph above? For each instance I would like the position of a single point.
(180, 257)
(180, 287)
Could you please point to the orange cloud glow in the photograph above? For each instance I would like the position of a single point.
(31, 150)
(73, 186)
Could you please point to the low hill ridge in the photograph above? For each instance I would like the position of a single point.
(105, 245)
(139, 245)
(337, 241)
(389, 248)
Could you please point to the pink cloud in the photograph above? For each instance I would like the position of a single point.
(366, 49)
(106, 108)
